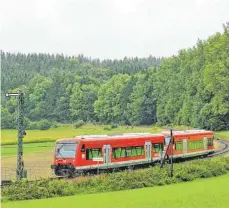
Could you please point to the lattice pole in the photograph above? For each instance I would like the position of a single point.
(20, 172)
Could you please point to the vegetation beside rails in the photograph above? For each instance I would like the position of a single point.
(222, 135)
(149, 177)
(211, 193)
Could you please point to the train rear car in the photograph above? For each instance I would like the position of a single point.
(191, 143)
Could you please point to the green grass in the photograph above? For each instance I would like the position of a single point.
(9, 136)
(222, 134)
(209, 193)
(11, 150)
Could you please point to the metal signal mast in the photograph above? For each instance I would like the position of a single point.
(20, 172)
(169, 144)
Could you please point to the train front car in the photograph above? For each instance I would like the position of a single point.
(65, 157)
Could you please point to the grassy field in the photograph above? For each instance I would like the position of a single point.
(11, 150)
(39, 141)
(223, 134)
(9, 136)
(209, 193)
(39, 147)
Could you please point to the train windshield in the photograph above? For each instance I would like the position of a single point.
(66, 149)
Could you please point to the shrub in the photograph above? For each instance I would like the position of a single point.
(54, 124)
(79, 123)
(44, 124)
(33, 125)
(107, 128)
(114, 126)
(41, 125)
(153, 176)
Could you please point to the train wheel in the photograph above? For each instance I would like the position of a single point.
(57, 172)
(130, 168)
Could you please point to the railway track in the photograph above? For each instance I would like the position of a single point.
(220, 152)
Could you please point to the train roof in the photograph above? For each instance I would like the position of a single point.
(119, 136)
(113, 136)
(188, 132)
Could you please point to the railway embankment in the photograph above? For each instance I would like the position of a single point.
(154, 176)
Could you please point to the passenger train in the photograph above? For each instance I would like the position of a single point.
(89, 153)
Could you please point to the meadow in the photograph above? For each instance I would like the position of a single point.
(209, 193)
(11, 150)
(39, 146)
(222, 134)
(42, 141)
(9, 136)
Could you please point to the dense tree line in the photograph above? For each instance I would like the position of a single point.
(191, 88)
(59, 88)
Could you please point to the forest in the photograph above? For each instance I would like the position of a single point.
(191, 88)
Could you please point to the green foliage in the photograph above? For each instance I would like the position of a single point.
(150, 177)
(188, 89)
(66, 130)
(192, 88)
(8, 120)
(107, 128)
(142, 105)
(79, 123)
(58, 88)
(44, 124)
(114, 126)
(82, 99)
(111, 105)
(207, 193)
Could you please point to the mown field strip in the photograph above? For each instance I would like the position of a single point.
(11, 150)
(9, 136)
(209, 193)
(223, 134)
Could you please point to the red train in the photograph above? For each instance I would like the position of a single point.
(90, 152)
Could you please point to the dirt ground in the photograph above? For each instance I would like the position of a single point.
(216, 144)
(37, 165)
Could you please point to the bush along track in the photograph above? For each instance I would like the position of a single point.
(150, 177)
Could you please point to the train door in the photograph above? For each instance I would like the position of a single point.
(185, 146)
(107, 154)
(148, 147)
(205, 142)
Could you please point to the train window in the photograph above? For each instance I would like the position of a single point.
(123, 152)
(83, 148)
(210, 141)
(195, 145)
(158, 147)
(140, 150)
(91, 153)
(179, 145)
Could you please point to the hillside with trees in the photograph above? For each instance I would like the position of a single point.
(191, 88)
